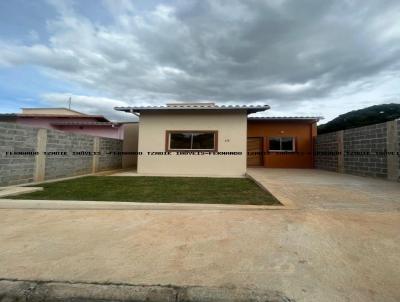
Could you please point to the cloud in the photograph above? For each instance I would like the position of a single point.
(283, 53)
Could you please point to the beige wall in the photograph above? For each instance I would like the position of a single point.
(231, 127)
(130, 144)
(55, 111)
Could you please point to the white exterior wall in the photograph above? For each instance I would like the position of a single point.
(232, 133)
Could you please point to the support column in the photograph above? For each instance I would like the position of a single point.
(40, 159)
(340, 145)
(96, 148)
(392, 147)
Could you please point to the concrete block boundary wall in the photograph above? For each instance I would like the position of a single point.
(372, 150)
(58, 161)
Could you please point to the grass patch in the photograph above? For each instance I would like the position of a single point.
(156, 189)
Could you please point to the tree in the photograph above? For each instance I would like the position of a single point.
(363, 117)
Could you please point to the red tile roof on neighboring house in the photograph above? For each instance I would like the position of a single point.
(100, 118)
(87, 124)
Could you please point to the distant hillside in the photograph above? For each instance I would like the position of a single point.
(363, 117)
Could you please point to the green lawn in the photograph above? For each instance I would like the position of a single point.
(156, 189)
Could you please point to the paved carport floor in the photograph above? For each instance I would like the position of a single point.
(312, 188)
(311, 253)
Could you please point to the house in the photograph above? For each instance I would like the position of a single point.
(66, 120)
(192, 139)
(281, 142)
(210, 140)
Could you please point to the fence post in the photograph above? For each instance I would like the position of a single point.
(392, 147)
(40, 158)
(340, 146)
(96, 149)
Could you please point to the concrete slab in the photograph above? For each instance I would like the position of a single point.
(125, 173)
(13, 191)
(311, 188)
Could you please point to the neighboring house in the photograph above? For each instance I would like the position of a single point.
(193, 139)
(281, 142)
(66, 120)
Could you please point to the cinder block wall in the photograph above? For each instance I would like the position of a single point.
(367, 151)
(15, 138)
(327, 148)
(57, 165)
(364, 149)
(59, 161)
(111, 154)
(398, 140)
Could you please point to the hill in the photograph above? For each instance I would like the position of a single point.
(363, 117)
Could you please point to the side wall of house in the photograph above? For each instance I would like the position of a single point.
(46, 122)
(49, 154)
(231, 127)
(101, 131)
(303, 133)
(130, 145)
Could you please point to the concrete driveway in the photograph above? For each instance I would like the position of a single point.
(302, 188)
(340, 241)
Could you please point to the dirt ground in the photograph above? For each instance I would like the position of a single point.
(333, 245)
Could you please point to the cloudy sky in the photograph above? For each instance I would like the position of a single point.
(302, 57)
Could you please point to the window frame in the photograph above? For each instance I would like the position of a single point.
(168, 140)
(280, 144)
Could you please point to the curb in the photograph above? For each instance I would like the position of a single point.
(14, 191)
(46, 291)
(115, 205)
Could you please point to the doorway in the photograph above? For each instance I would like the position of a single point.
(254, 151)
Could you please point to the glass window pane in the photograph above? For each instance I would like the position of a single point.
(180, 140)
(274, 143)
(287, 144)
(203, 141)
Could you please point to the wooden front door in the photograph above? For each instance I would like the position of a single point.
(254, 151)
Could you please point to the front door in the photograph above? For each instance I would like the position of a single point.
(254, 151)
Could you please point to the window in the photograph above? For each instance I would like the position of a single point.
(281, 144)
(191, 140)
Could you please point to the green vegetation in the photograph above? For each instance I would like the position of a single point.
(156, 189)
(363, 117)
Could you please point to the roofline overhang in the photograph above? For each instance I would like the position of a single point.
(54, 116)
(286, 119)
(94, 124)
(138, 110)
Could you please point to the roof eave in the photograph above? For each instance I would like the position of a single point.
(139, 110)
(292, 119)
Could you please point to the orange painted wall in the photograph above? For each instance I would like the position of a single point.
(304, 133)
